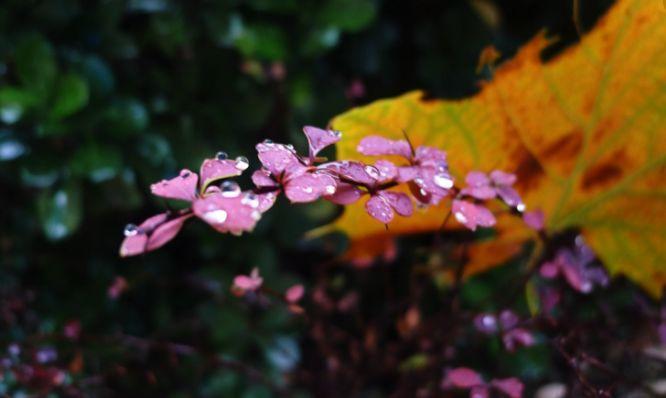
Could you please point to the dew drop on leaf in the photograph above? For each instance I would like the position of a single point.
(230, 189)
(216, 216)
(242, 163)
(131, 230)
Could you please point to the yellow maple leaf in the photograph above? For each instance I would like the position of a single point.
(583, 132)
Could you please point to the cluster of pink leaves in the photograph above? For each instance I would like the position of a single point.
(507, 324)
(222, 203)
(575, 265)
(469, 379)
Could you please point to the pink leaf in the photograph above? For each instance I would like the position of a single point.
(309, 187)
(227, 214)
(276, 158)
(387, 171)
(408, 173)
(462, 378)
(511, 386)
(182, 187)
(516, 338)
(354, 171)
(165, 232)
(435, 182)
(478, 186)
(508, 319)
(319, 139)
(472, 215)
(535, 219)
(136, 237)
(345, 194)
(502, 178)
(266, 201)
(248, 283)
(479, 392)
(379, 209)
(510, 196)
(399, 201)
(375, 145)
(294, 294)
(430, 156)
(262, 179)
(217, 169)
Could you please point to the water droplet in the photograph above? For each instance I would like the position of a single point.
(521, 207)
(256, 215)
(221, 155)
(460, 217)
(337, 133)
(307, 189)
(330, 189)
(268, 141)
(250, 199)
(372, 172)
(242, 163)
(290, 147)
(230, 189)
(184, 174)
(443, 181)
(131, 230)
(216, 216)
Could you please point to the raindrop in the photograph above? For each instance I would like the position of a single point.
(337, 133)
(330, 189)
(230, 189)
(242, 163)
(307, 189)
(268, 141)
(131, 230)
(372, 172)
(216, 216)
(221, 155)
(256, 215)
(521, 207)
(460, 217)
(184, 174)
(443, 181)
(250, 199)
(290, 147)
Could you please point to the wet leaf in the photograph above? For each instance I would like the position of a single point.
(71, 94)
(60, 211)
(582, 131)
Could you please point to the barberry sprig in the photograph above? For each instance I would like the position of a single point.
(220, 201)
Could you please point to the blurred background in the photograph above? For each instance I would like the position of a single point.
(98, 99)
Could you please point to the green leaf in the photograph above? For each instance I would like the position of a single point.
(35, 64)
(98, 163)
(71, 95)
(125, 117)
(14, 102)
(348, 15)
(60, 211)
(532, 298)
(262, 41)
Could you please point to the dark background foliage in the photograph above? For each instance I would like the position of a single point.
(100, 98)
